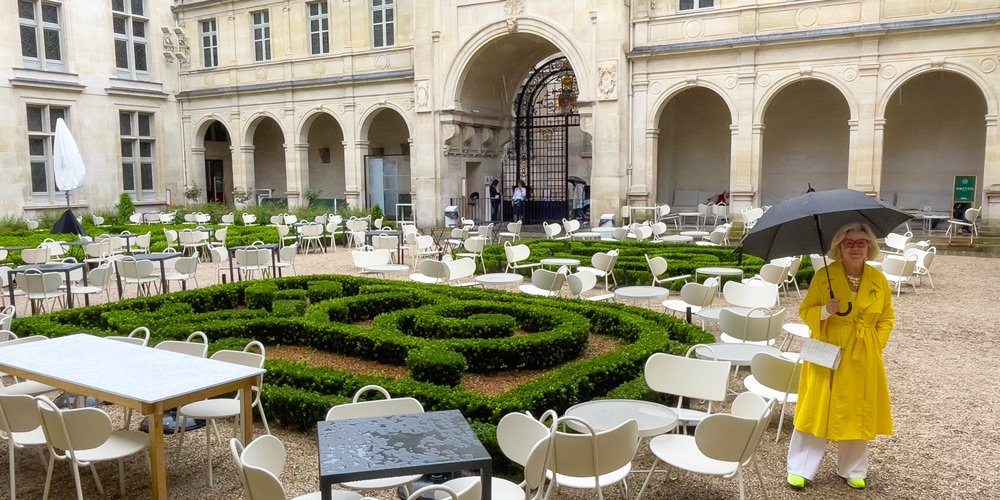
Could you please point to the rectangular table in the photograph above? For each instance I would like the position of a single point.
(61, 267)
(144, 379)
(162, 258)
(399, 445)
(273, 247)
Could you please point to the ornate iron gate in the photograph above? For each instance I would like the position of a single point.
(546, 109)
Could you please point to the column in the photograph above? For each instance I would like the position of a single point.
(354, 159)
(991, 173)
(297, 174)
(197, 165)
(243, 173)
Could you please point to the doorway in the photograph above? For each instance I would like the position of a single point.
(215, 190)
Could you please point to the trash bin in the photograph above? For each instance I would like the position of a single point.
(607, 220)
(451, 216)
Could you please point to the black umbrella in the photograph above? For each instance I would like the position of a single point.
(67, 224)
(806, 224)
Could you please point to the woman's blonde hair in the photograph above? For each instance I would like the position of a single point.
(838, 238)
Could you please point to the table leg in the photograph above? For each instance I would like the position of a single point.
(486, 478)
(10, 287)
(157, 456)
(246, 413)
(118, 276)
(230, 259)
(163, 278)
(69, 291)
(86, 296)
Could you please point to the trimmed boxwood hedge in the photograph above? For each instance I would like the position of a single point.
(389, 321)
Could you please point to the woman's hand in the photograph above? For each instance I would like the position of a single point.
(833, 307)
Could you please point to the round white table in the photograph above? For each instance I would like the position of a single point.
(587, 235)
(712, 313)
(718, 271)
(686, 215)
(677, 238)
(558, 261)
(641, 292)
(387, 269)
(695, 234)
(737, 354)
(603, 414)
(499, 279)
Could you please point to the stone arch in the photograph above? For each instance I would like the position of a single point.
(302, 130)
(972, 75)
(558, 37)
(202, 127)
(661, 102)
(253, 120)
(778, 86)
(368, 115)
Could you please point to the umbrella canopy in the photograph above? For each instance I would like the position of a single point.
(67, 163)
(68, 224)
(806, 224)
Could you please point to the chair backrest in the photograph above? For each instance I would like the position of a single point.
(73, 430)
(460, 268)
(897, 241)
(374, 408)
(187, 265)
(592, 453)
(475, 244)
(514, 227)
(516, 253)
(657, 266)
(423, 241)
(759, 325)
(248, 218)
(287, 253)
(38, 255)
(700, 294)
(605, 261)
(551, 229)
(138, 336)
(435, 269)
(971, 215)
(363, 259)
(471, 491)
(18, 413)
(819, 261)
(219, 255)
(547, 280)
(517, 435)
(290, 218)
(619, 233)
(261, 464)
(776, 372)
(581, 282)
(659, 229)
(571, 225)
(195, 345)
(899, 266)
(750, 295)
(774, 273)
(704, 379)
(724, 437)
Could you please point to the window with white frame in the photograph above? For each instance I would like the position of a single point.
(130, 25)
(261, 27)
(209, 43)
(696, 4)
(136, 132)
(41, 138)
(319, 28)
(41, 35)
(383, 23)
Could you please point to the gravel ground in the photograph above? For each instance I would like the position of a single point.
(942, 362)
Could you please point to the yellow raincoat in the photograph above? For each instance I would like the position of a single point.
(851, 402)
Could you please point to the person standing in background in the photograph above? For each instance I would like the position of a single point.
(495, 200)
(519, 198)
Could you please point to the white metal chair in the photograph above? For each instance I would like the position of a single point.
(686, 377)
(228, 219)
(776, 378)
(259, 467)
(312, 235)
(603, 266)
(185, 269)
(38, 255)
(899, 270)
(750, 295)
(658, 268)
(219, 256)
(758, 326)
(423, 247)
(474, 247)
(460, 270)
(517, 255)
(723, 444)
(364, 259)
(138, 336)
(545, 283)
(584, 281)
(41, 288)
(924, 260)
(895, 243)
(285, 236)
(253, 260)
(218, 408)
(968, 222)
(552, 230)
(513, 232)
(694, 296)
(388, 243)
(432, 272)
(525, 441)
(82, 437)
(219, 237)
(249, 219)
(286, 258)
(141, 273)
(21, 427)
(377, 408)
(591, 459)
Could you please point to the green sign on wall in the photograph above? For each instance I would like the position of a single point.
(965, 188)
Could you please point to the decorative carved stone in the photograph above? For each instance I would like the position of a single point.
(607, 80)
(421, 95)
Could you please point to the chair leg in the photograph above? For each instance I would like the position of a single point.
(260, 408)
(208, 449)
(652, 469)
(10, 459)
(48, 476)
(97, 479)
(121, 476)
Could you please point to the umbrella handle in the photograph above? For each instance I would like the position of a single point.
(848, 311)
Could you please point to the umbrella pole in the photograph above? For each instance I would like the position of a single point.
(822, 247)
(67, 199)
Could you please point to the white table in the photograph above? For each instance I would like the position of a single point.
(144, 379)
(499, 279)
(737, 354)
(677, 238)
(587, 235)
(633, 210)
(683, 216)
(387, 269)
(712, 313)
(603, 414)
(641, 292)
(557, 262)
(695, 234)
(718, 271)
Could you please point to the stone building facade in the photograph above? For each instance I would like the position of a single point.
(423, 101)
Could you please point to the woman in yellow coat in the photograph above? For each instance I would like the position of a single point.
(849, 405)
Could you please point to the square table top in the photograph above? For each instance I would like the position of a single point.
(368, 448)
(50, 267)
(121, 368)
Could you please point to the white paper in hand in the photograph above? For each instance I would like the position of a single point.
(821, 353)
